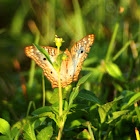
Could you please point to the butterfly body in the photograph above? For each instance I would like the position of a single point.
(70, 67)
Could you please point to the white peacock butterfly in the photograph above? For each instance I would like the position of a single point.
(70, 67)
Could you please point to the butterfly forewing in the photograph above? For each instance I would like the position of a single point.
(79, 53)
(41, 60)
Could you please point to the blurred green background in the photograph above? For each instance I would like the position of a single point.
(71, 20)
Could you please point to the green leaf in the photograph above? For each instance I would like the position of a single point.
(80, 106)
(88, 95)
(65, 105)
(41, 110)
(104, 109)
(38, 122)
(134, 98)
(29, 133)
(5, 128)
(16, 136)
(45, 134)
(73, 95)
(4, 138)
(114, 71)
(42, 50)
(84, 135)
(76, 123)
(14, 132)
(131, 99)
(55, 108)
(117, 114)
(128, 95)
(19, 124)
(83, 79)
(47, 114)
(75, 91)
(54, 96)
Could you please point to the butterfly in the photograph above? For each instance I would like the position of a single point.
(70, 67)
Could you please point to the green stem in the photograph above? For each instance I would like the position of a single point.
(29, 107)
(90, 132)
(61, 123)
(61, 120)
(58, 48)
(123, 48)
(100, 132)
(43, 87)
(60, 97)
(60, 90)
(110, 49)
(60, 132)
(32, 68)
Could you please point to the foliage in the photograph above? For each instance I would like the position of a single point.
(104, 103)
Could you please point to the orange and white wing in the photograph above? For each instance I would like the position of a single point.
(40, 59)
(78, 55)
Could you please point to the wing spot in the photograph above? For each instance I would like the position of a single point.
(44, 58)
(81, 51)
(51, 72)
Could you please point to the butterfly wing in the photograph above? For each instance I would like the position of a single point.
(40, 59)
(78, 54)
